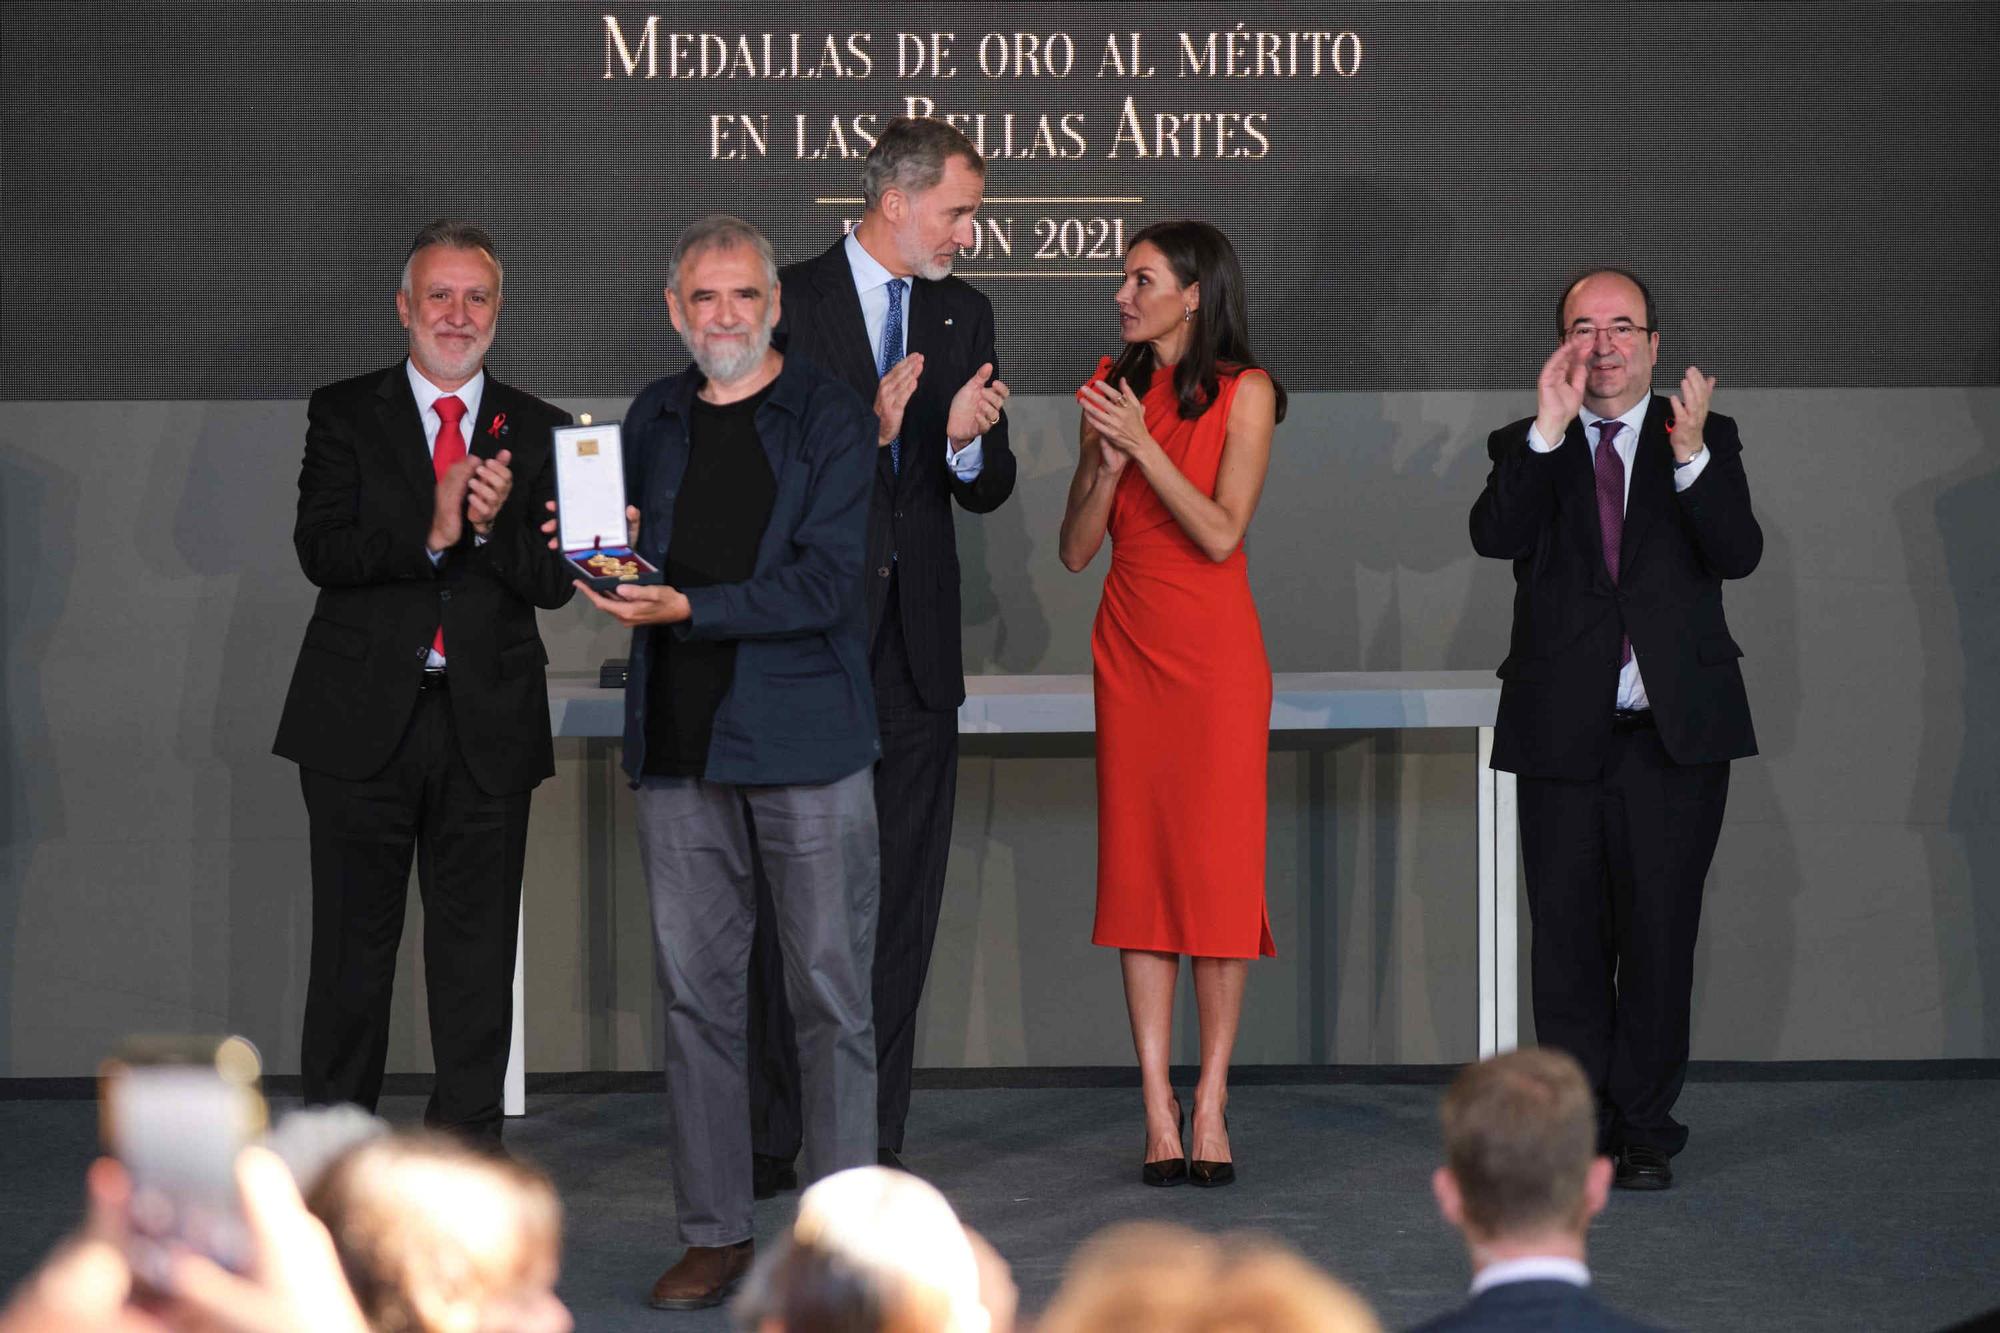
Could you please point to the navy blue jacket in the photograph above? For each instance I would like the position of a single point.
(1534, 1307)
(800, 709)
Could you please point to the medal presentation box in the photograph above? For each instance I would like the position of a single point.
(590, 507)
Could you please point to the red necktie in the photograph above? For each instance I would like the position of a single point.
(1611, 508)
(450, 447)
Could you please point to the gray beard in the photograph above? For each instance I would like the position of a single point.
(729, 367)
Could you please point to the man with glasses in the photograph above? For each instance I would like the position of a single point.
(1621, 703)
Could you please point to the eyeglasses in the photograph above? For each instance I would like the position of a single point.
(1621, 333)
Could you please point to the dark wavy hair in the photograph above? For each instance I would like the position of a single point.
(1219, 336)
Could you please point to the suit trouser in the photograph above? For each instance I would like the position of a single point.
(469, 849)
(916, 788)
(1615, 868)
(817, 845)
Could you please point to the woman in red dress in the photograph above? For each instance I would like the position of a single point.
(1176, 440)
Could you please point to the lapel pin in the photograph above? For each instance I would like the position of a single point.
(499, 426)
(947, 323)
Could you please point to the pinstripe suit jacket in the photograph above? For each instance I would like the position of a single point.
(909, 515)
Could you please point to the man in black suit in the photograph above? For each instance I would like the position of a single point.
(418, 712)
(1521, 1182)
(882, 311)
(1622, 704)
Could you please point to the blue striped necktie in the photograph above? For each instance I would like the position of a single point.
(891, 353)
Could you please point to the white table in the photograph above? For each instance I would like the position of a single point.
(1304, 701)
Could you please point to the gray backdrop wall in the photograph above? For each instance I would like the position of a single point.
(154, 872)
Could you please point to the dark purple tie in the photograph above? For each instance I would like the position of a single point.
(1611, 507)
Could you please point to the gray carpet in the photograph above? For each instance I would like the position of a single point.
(1798, 1205)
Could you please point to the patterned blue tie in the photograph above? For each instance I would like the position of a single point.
(892, 352)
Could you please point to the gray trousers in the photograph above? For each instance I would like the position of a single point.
(819, 849)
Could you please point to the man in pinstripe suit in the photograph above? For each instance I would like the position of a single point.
(881, 310)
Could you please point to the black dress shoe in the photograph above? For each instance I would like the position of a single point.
(1212, 1175)
(890, 1158)
(1641, 1167)
(769, 1175)
(1168, 1170)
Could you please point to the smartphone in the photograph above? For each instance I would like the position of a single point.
(175, 1112)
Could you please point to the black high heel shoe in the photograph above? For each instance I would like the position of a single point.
(1212, 1175)
(1168, 1170)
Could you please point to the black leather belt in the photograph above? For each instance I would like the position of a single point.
(1627, 720)
(434, 680)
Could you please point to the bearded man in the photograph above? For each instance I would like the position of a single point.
(750, 732)
(882, 310)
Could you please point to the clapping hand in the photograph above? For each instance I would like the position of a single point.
(892, 395)
(448, 505)
(1690, 413)
(1559, 391)
(1118, 418)
(486, 489)
(1109, 461)
(976, 407)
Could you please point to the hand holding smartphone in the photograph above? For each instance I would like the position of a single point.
(176, 1112)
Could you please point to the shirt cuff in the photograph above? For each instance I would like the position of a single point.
(1537, 443)
(1686, 474)
(966, 463)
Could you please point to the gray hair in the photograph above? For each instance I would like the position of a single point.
(720, 231)
(455, 234)
(911, 154)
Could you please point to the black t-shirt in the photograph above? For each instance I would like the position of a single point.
(720, 515)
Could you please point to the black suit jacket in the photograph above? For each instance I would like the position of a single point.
(1534, 1307)
(909, 515)
(1561, 673)
(366, 492)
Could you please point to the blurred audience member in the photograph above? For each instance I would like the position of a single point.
(294, 1283)
(877, 1251)
(438, 1237)
(310, 1139)
(1521, 1181)
(1151, 1277)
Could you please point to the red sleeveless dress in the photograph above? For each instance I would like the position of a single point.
(1183, 691)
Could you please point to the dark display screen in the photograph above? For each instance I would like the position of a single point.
(214, 201)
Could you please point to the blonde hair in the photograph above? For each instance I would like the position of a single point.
(1153, 1277)
(429, 1229)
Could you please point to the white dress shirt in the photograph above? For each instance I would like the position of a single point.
(871, 284)
(1534, 1268)
(427, 397)
(1631, 686)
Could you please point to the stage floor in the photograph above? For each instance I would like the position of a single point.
(1798, 1204)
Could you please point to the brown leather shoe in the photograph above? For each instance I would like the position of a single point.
(705, 1276)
